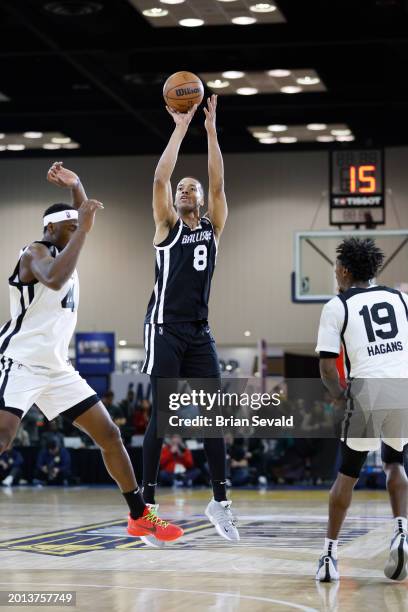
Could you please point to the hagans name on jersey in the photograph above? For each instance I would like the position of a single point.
(381, 349)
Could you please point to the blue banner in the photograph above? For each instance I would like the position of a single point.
(95, 352)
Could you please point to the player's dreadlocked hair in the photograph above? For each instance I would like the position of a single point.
(361, 257)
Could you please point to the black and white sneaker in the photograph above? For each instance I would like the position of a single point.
(220, 515)
(396, 566)
(327, 569)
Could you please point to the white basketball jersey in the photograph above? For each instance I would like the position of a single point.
(372, 325)
(42, 321)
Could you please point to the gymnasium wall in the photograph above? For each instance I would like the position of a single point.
(270, 196)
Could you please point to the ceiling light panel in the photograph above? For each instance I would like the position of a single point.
(37, 140)
(264, 82)
(302, 133)
(212, 12)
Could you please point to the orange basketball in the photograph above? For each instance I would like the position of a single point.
(182, 90)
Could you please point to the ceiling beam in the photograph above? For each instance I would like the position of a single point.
(88, 73)
(204, 45)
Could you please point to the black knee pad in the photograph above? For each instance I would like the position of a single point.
(351, 461)
(390, 455)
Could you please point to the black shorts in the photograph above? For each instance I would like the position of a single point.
(180, 350)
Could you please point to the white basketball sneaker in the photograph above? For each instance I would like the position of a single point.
(396, 566)
(327, 569)
(220, 515)
(8, 481)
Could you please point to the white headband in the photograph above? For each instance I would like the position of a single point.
(63, 215)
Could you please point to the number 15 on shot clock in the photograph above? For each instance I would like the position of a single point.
(356, 186)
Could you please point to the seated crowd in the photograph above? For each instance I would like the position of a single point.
(251, 461)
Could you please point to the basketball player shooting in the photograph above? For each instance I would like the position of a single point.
(34, 364)
(178, 339)
(372, 323)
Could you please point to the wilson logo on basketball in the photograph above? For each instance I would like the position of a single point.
(186, 91)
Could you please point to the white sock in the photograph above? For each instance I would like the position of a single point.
(401, 523)
(330, 547)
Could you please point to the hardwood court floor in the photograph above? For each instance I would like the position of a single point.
(86, 549)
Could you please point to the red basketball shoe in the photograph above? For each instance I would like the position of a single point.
(149, 524)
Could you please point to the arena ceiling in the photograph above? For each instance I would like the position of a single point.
(92, 71)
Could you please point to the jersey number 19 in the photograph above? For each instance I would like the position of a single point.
(387, 319)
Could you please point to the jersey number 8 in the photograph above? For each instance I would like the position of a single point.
(200, 257)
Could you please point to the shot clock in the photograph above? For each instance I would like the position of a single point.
(357, 187)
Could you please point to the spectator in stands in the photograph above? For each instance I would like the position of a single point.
(53, 431)
(11, 462)
(300, 409)
(107, 399)
(53, 464)
(320, 420)
(238, 456)
(127, 405)
(238, 462)
(22, 438)
(114, 410)
(118, 416)
(328, 403)
(317, 419)
(141, 416)
(334, 411)
(283, 462)
(34, 424)
(177, 464)
(256, 459)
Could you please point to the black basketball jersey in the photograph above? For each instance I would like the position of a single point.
(185, 263)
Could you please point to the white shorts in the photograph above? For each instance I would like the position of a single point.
(373, 444)
(54, 392)
(388, 426)
(377, 410)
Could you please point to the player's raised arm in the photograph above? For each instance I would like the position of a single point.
(54, 272)
(62, 177)
(217, 202)
(164, 214)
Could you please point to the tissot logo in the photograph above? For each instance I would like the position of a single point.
(184, 91)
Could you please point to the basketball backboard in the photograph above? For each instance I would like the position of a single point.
(313, 279)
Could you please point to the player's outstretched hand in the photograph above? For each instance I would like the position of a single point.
(183, 119)
(86, 214)
(211, 113)
(62, 177)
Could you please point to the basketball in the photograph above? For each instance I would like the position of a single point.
(182, 90)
